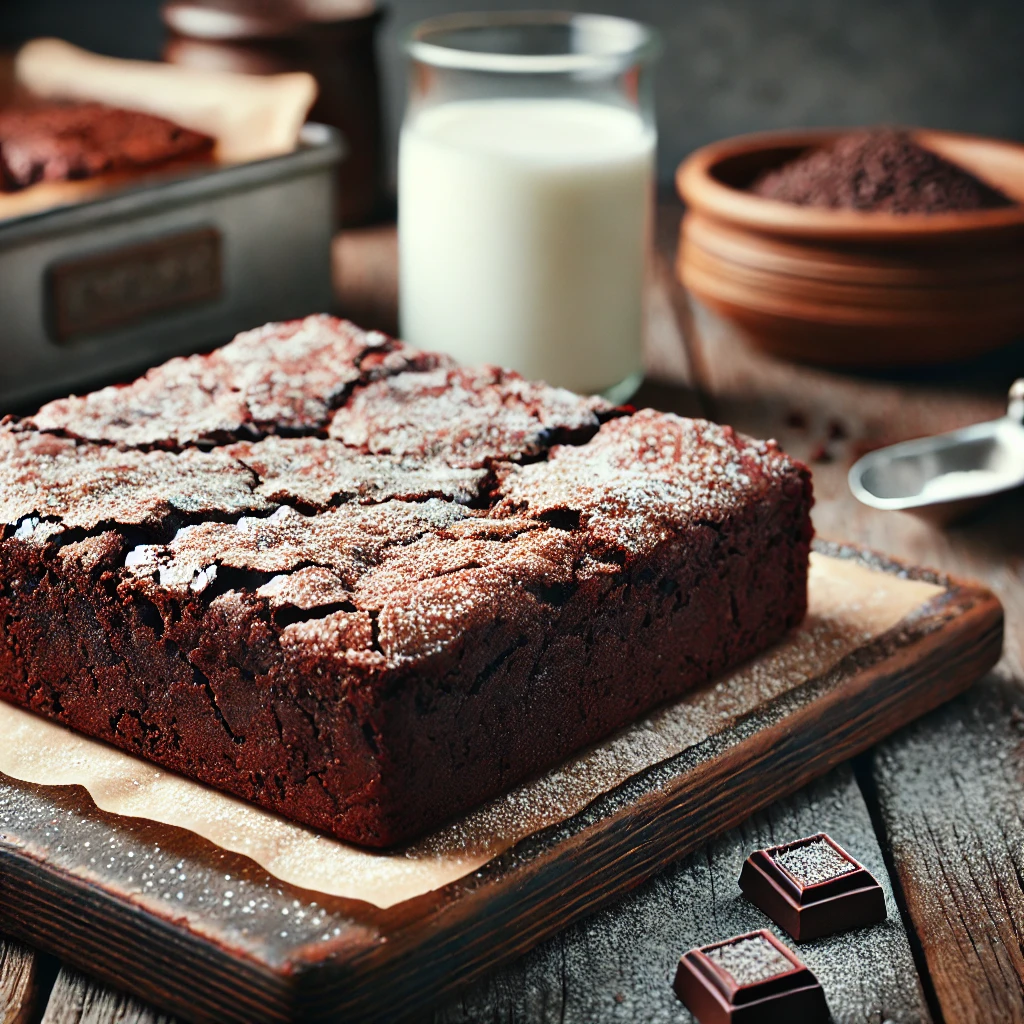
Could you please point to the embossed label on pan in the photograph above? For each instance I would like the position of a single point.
(122, 286)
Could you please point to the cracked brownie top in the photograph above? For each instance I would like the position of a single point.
(81, 486)
(362, 493)
(280, 378)
(315, 473)
(465, 416)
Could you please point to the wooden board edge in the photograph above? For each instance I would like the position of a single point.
(100, 934)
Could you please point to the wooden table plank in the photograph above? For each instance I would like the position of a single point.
(949, 789)
(19, 982)
(78, 999)
(618, 965)
(951, 795)
(365, 270)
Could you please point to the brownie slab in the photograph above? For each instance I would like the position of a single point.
(368, 589)
(70, 141)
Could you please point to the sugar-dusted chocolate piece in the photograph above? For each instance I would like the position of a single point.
(749, 979)
(812, 887)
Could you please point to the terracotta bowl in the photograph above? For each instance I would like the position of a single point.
(846, 288)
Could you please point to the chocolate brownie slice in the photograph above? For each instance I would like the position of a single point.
(69, 141)
(368, 589)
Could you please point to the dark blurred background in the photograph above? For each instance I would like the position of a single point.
(729, 65)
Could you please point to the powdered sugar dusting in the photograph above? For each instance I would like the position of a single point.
(318, 472)
(434, 571)
(349, 540)
(312, 587)
(341, 640)
(466, 416)
(643, 477)
(812, 863)
(443, 590)
(44, 478)
(280, 376)
(749, 960)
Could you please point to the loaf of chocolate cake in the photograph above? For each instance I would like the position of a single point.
(368, 589)
(70, 141)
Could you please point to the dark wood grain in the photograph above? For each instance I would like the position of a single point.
(78, 999)
(951, 795)
(205, 960)
(618, 964)
(948, 789)
(19, 982)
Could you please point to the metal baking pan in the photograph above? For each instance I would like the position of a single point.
(96, 291)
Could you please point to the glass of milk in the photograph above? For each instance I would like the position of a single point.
(526, 170)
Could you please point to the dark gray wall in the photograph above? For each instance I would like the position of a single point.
(729, 65)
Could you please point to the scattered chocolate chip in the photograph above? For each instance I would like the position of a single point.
(812, 887)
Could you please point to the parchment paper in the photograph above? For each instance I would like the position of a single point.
(849, 605)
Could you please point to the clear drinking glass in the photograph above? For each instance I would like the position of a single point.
(526, 172)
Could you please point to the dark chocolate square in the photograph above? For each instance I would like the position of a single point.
(749, 979)
(812, 887)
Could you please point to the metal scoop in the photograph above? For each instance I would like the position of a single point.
(945, 476)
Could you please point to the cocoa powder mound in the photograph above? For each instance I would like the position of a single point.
(883, 170)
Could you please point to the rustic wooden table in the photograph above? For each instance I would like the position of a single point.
(937, 812)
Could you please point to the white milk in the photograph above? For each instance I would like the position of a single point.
(523, 235)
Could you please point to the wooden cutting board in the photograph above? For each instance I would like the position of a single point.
(211, 934)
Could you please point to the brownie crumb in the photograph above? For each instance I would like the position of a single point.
(879, 171)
